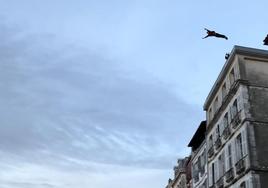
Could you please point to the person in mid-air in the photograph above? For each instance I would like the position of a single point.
(265, 41)
(214, 34)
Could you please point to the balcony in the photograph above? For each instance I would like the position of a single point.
(229, 175)
(226, 132)
(220, 183)
(196, 177)
(218, 143)
(240, 166)
(210, 152)
(202, 171)
(236, 120)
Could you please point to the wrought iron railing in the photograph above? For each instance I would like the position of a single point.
(210, 152)
(226, 132)
(218, 143)
(240, 166)
(229, 175)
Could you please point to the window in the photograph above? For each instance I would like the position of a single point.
(195, 172)
(234, 109)
(225, 120)
(218, 133)
(221, 165)
(199, 163)
(210, 142)
(216, 171)
(224, 91)
(239, 147)
(221, 128)
(232, 77)
(210, 180)
(202, 163)
(211, 175)
(228, 156)
(242, 185)
(216, 104)
(210, 114)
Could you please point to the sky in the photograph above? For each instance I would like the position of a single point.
(109, 93)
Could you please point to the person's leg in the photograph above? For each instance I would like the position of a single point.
(221, 36)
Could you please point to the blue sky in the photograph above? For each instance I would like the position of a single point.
(109, 93)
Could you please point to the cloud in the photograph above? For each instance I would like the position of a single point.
(69, 108)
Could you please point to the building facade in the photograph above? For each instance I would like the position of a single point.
(181, 174)
(199, 157)
(237, 121)
(235, 145)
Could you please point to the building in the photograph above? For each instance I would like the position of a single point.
(181, 174)
(230, 148)
(237, 121)
(199, 157)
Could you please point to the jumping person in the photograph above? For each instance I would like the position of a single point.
(265, 41)
(214, 34)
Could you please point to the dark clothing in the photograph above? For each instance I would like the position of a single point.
(214, 34)
(265, 41)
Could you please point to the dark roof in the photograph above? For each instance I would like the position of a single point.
(199, 136)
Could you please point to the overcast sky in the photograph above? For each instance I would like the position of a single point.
(108, 93)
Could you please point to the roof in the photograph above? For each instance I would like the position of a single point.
(199, 136)
(236, 50)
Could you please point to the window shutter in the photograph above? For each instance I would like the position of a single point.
(216, 170)
(226, 159)
(221, 127)
(244, 142)
(210, 175)
(223, 163)
(239, 103)
(233, 152)
(214, 137)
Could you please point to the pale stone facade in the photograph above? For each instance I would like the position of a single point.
(181, 177)
(236, 141)
(237, 122)
(199, 157)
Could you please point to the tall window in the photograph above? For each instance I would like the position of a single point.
(195, 172)
(221, 165)
(228, 156)
(239, 147)
(210, 180)
(203, 163)
(234, 108)
(225, 120)
(210, 114)
(224, 91)
(216, 104)
(218, 131)
(232, 77)
(213, 173)
(210, 141)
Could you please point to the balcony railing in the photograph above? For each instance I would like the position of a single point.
(236, 120)
(226, 132)
(220, 183)
(196, 177)
(202, 171)
(218, 143)
(240, 166)
(229, 175)
(210, 152)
